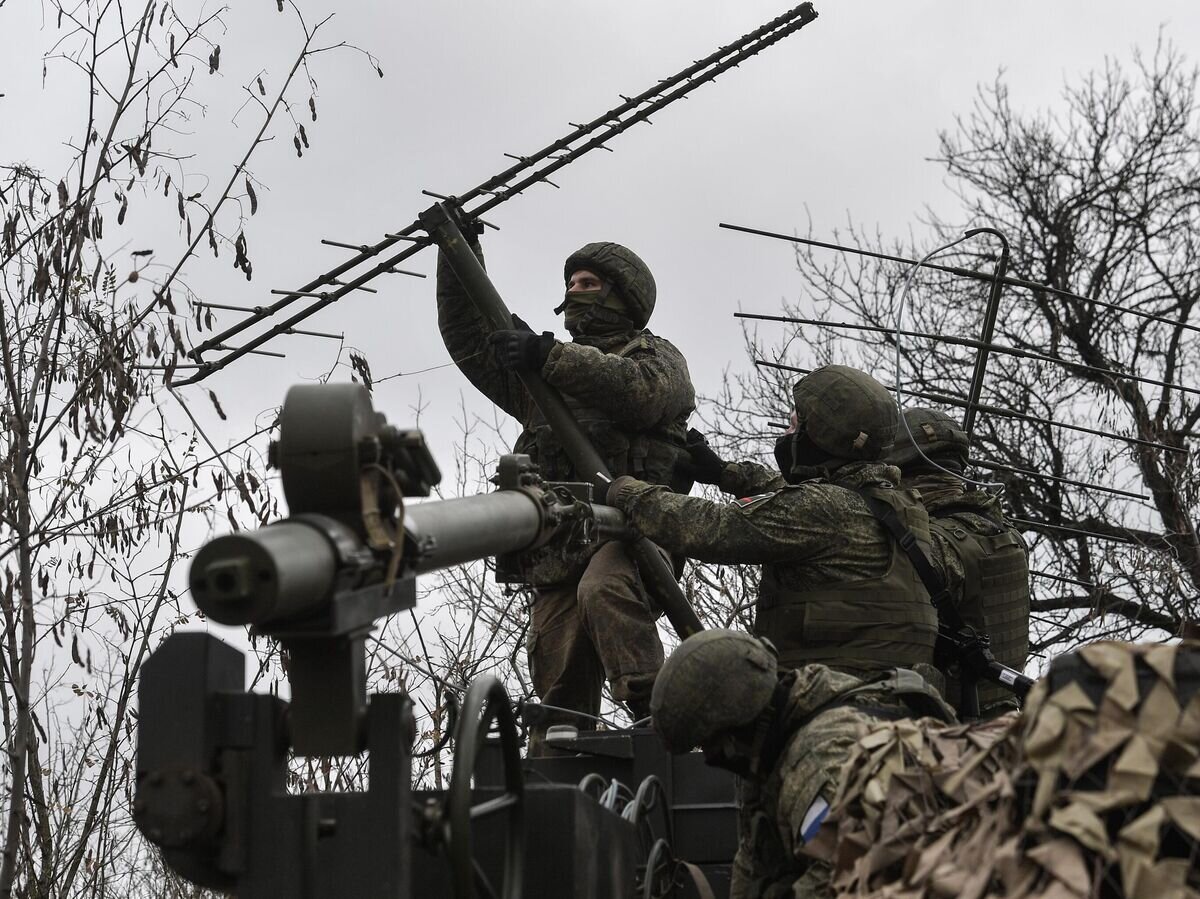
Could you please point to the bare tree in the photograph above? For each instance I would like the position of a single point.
(101, 464)
(1099, 201)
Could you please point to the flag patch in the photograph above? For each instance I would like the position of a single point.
(812, 819)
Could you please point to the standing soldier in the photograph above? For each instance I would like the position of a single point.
(631, 393)
(788, 734)
(836, 587)
(984, 558)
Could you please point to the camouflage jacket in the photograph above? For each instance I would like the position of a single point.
(621, 389)
(985, 565)
(816, 532)
(942, 493)
(826, 712)
(835, 587)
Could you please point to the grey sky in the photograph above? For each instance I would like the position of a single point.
(838, 119)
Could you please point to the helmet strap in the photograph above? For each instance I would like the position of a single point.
(770, 734)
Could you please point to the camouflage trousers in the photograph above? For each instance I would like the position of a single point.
(581, 633)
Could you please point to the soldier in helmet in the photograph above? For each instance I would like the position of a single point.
(837, 587)
(787, 733)
(839, 597)
(985, 560)
(631, 393)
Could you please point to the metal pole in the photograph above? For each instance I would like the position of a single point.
(966, 273)
(1037, 475)
(653, 566)
(1002, 413)
(1000, 349)
(989, 326)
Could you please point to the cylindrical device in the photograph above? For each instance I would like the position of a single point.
(279, 571)
(487, 301)
(610, 523)
(449, 532)
(322, 428)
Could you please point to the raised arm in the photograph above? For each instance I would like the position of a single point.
(465, 333)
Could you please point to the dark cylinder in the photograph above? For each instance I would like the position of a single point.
(989, 326)
(610, 523)
(279, 571)
(467, 268)
(441, 533)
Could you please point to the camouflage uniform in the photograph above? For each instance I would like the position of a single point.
(815, 536)
(787, 733)
(985, 565)
(984, 558)
(825, 714)
(632, 395)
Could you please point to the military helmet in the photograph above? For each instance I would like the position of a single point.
(714, 680)
(937, 435)
(623, 269)
(846, 412)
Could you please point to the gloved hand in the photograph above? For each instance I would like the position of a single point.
(519, 349)
(612, 496)
(706, 466)
(469, 227)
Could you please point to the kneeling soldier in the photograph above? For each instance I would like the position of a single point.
(787, 734)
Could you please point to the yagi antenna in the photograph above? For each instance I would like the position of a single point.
(996, 348)
(527, 170)
(968, 273)
(1003, 413)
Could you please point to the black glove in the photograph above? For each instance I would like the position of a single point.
(468, 226)
(519, 349)
(706, 466)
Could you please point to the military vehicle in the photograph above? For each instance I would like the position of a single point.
(611, 815)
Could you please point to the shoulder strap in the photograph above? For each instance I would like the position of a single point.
(939, 594)
(639, 342)
(952, 511)
(970, 647)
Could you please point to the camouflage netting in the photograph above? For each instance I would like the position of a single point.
(1092, 791)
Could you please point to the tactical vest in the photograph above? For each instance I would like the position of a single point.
(859, 625)
(650, 455)
(995, 598)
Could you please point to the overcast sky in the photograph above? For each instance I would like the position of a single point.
(837, 121)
